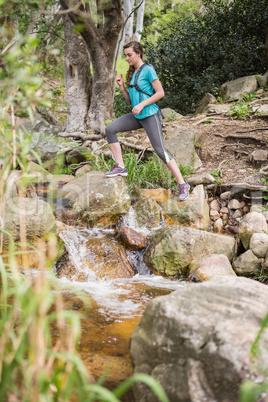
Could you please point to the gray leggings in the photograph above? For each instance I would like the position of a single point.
(152, 126)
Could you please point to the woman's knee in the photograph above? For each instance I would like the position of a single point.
(110, 134)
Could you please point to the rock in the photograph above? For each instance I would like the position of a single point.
(256, 208)
(33, 167)
(263, 79)
(208, 99)
(201, 179)
(180, 144)
(192, 212)
(226, 195)
(78, 155)
(218, 226)
(224, 210)
(170, 114)
(261, 110)
(234, 204)
(259, 244)
(159, 194)
(214, 215)
(209, 266)
(253, 222)
(235, 89)
(100, 200)
(82, 170)
(148, 213)
(171, 249)
(132, 239)
(246, 264)
(265, 214)
(34, 215)
(105, 259)
(265, 264)
(258, 157)
(232, 229)
(56, 180)
(215, 205)
(49, 117)
(246, 209)
(47, 144)
(196, 341)
(238, 214)
(216, 109)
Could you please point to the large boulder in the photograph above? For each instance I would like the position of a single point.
(192, 212)
(99, 200)
(208, 99)
(20, 215)
(235, 89)
(253, 222)
(103, 258)
(171, 249)
(196, 341)
(180, 143)
(148, 212)
(209, 266)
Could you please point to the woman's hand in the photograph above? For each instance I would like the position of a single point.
(120, 80)
(137, 109)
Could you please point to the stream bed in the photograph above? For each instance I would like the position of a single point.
(111, 307)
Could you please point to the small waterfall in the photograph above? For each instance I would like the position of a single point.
(117, 297)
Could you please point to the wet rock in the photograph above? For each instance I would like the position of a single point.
(171, 249)
(132, 239)
(209, 266)
(104, 258)
(235, 89)
(159, 194)
(192, 212)
(33, 215)
(246, 264)
(253, 222)
(196, 341)
(148, 213)
(101, 201)
(259, 244)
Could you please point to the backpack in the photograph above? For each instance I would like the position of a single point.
(136, 86)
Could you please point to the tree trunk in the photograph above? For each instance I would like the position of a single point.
(100, 38)
(266, 43)
(128, 5)
(139, 22)
(78, 78)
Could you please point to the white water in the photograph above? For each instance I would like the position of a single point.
(120, 298)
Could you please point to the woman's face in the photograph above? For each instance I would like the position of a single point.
(132, 57)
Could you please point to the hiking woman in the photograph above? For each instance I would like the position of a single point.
(145, 114)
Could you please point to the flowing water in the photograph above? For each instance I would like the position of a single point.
(111, 308)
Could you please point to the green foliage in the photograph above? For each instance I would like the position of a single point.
(203, 51)
(240, 110)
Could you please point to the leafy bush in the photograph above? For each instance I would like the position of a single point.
(202, 52)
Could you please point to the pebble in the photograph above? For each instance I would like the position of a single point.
(226, 195)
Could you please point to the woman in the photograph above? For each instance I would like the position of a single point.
(145, 114)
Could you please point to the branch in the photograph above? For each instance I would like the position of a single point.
(137, 147)
(122, 31)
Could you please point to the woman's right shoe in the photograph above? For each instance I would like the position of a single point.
(117, 171)
(182, 191)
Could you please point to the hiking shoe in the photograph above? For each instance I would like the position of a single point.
(116, 171)
(182, 191)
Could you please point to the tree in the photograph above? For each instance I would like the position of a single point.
(100, 32)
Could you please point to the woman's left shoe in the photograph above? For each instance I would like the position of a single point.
(182, 191)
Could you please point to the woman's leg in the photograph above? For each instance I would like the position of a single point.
(124, 123)
(153, 128)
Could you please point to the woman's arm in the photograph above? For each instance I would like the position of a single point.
(159, 93)
(120, 81)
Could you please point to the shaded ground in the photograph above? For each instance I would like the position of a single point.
(225, 145)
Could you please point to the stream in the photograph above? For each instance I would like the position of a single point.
(110, 307)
